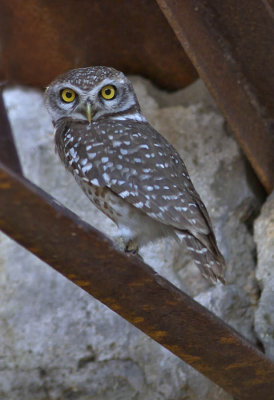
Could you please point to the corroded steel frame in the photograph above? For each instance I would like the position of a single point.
(231, 45)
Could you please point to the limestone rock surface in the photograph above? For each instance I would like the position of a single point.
(264, 315)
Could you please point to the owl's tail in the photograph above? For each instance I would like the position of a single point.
(208, 258)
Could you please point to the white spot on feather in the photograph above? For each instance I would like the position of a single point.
(124, 194)
(87, 168)
(106, 177)
(95, 181)
(202, 251)
(73, 153)
(139, 204)
(84, 161)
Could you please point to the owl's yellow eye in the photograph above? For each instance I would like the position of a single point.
(108, 92)
(68, 95)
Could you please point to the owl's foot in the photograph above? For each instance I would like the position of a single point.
(132, 248)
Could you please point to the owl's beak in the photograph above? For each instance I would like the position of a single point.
(89, 112)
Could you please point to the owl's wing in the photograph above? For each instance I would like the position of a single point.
(153, 178)
(137, 164)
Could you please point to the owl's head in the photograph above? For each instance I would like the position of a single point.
(90, 94)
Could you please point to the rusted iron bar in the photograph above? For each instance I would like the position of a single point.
(132, 36)
(231, 45)
(8, 152)
(132, 289)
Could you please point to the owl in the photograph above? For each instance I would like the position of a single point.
(125, 167)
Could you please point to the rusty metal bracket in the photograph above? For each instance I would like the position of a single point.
(132, 289)
(132, 36)
(8, 152)
(231, 45)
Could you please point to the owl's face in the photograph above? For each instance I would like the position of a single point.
(90, 94)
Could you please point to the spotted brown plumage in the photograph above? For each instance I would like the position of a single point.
(126, 168)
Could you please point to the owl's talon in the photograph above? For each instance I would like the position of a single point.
(131, 247)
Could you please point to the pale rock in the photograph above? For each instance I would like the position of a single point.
(264, 237)
(232, 305)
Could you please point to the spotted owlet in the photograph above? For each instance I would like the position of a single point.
(125, 167)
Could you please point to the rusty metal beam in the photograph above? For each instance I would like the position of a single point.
(231, 45)
(8, 152)
(132, 289)
(132, 36)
